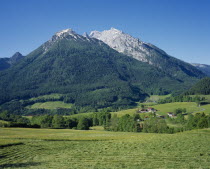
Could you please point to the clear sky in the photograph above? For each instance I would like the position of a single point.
(180, 27)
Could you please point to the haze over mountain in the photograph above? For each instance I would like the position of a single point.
(203, 67)
(6, 63)
(90, 73)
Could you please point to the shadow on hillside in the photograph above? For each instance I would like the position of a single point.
(18, 165)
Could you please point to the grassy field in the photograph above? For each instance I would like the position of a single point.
(170, 107)
(205, 109)
(157, 97)
(80, 115)
(162, 109)
(124, 112)
(50, 105)
(97, 149)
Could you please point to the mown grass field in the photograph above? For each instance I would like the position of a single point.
(51, 148)
(50, 105)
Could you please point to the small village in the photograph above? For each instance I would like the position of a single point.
(153, 110)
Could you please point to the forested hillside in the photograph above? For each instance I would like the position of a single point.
(87, 72)
(202, 87)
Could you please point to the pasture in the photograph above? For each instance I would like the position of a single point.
(155, 98)
(162, 109)
(50, 105)
(64, 148)
(170, 107)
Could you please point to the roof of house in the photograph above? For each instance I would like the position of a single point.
(143, 110)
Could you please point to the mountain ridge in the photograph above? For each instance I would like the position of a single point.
(6, 63)
(203, 67)
(146, 52)
(87, 72)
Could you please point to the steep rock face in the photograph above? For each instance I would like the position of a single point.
(123, 43)
(146, 52)
(204, 68)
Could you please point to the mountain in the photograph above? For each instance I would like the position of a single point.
(148, 53)
(204, 68)
(201, 87)
(6, 63)
(87, 72)
(15, 58)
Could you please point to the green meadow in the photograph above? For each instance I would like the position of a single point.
(155, 98)
(170, 107)
(97, 149)
(162, 109)
(50, 105)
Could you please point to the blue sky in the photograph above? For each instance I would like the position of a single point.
(180, 27)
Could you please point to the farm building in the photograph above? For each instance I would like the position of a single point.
(170, 114)
(150, 109)
(147, 110)
(162, 117)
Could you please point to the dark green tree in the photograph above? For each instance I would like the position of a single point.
(83, 124)
(58, 122)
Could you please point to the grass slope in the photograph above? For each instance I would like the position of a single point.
(51, 148)
(205, 109)
(162, 109)
(157, 97)
(170, 107)
(50, 105)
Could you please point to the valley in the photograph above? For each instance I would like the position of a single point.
(104, 84)
(99, 148)
(104, 100)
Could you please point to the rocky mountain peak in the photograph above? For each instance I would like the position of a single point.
(123, 43)
(15, 58)
(65, 32)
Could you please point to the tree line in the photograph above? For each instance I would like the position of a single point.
(126, 123)
(182, 98)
